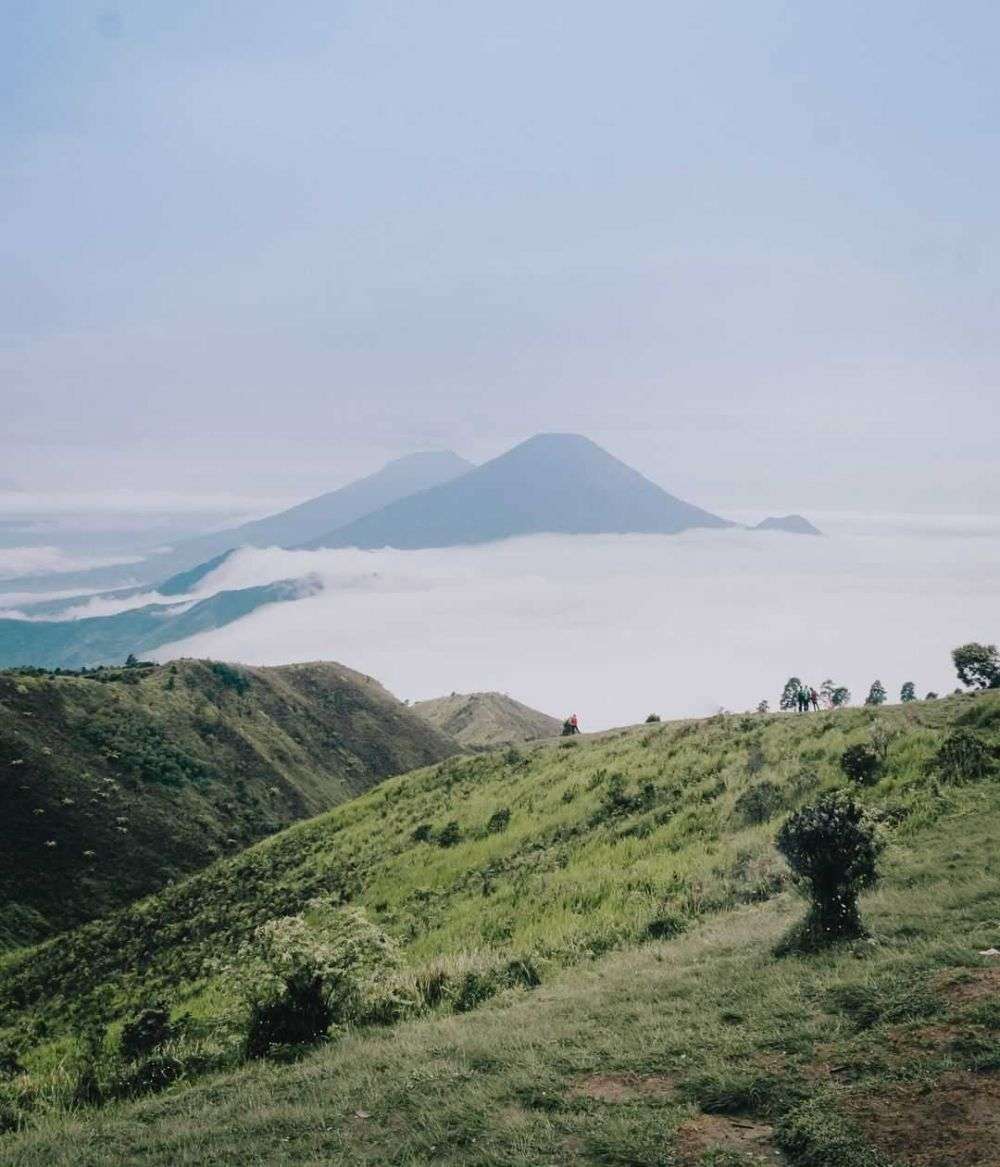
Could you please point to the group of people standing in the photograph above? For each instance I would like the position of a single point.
(805, 698)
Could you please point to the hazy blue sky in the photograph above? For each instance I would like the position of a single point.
(255, 248)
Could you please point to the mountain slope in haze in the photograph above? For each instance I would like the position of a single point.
(622, 912)
(792, 524)
(486, 719)
(555, 483)
(115, 783)
(396, 480)
(96, 640)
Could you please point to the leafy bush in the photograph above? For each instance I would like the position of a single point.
(758, 803)
(833, 849)
(665, 926)
(301, 974)
(145, 1032)
(963, 757)
(861, 764)
(876, 694)
(652, 718)
(422, 833)
(498, 821)
(449, 835)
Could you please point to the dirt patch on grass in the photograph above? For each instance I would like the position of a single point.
(719, 1132)
(624, 1087)
(954, 1121)
(976, 985)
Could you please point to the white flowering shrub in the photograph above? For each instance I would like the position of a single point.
(301, 974)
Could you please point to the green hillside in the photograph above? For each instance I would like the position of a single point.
(620, 898)
(116, 782)
(486, 720)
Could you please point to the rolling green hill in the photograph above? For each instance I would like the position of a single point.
(632, 874)
(480, 720)
(114, 783)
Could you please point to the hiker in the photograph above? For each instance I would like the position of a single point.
(814, 699)
(574, 723)
(803, 696)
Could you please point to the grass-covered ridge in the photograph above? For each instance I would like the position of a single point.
(113, 783)
(699, 1048)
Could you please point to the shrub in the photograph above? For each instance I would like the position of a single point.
(10, 1061)
(963, 757)
(834, 850)
(758, 803)
(861, 764)
(876, 694)
(301, 974)
(665, 926)
(652, 718)
(145, 1032)
(498, 821)
(908, 692)
(449, 835)
(422, 833)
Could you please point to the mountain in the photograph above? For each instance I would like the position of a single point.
(587, 933)
(793, 524)
(114, 783)
(486, 719)
(559, 483)
(396, 480)
(96, 640)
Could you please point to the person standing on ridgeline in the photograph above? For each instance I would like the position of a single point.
(574, 722)
(814, 699)
(800, 699)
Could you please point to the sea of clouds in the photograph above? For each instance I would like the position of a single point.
(615, 627)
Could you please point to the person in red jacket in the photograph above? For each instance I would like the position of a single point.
(574, 723)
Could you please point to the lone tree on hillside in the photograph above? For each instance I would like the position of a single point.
(790, 694)
(834, 696)
(908, 692)
(876, 694)
(833, 850)
(977, 665)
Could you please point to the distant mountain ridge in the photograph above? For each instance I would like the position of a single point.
(792, 524)
(101, 640)
(397, 479)
(486, 719)
(551, 483)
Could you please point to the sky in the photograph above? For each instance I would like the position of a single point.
(249, 251)
(615, 627)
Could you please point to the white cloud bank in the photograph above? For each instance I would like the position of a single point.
(615, 627)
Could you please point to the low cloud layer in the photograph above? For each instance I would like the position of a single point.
(615, 627)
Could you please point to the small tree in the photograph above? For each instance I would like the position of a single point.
(834, 851)
(833, 696)
(762, 706)
(790, 694)
(908, 692)
(977, 665)
(876, 694)
(931, 696)
(652, 718)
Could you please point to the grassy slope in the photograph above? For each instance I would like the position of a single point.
(639, 1056)
(160, 771)
(486, 719)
